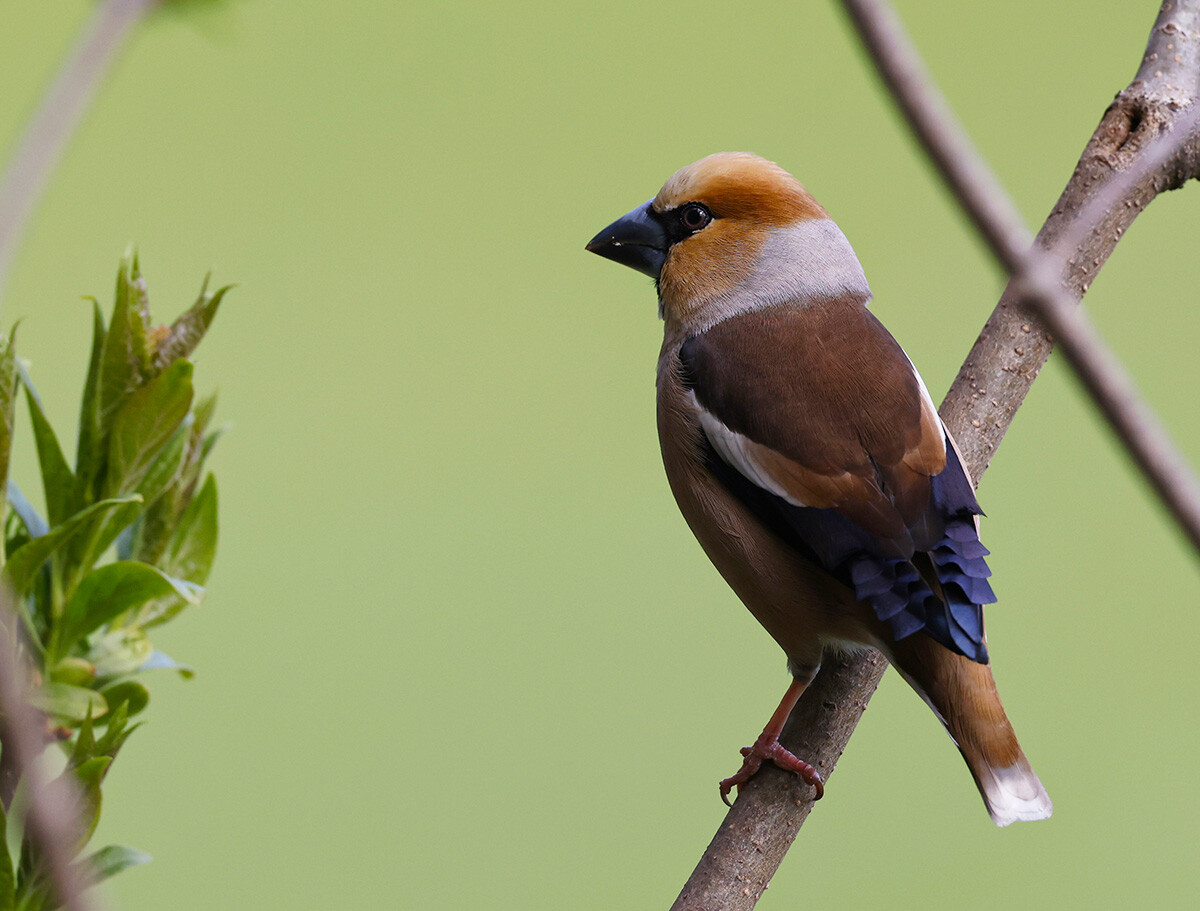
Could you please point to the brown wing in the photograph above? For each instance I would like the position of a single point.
(820, 405)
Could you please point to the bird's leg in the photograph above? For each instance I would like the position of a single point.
(768, 747)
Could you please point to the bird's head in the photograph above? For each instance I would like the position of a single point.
(730, 233)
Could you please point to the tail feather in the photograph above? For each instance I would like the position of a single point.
(1012, 793)
(963, 694)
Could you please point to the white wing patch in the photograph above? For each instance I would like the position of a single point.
(737, 451)
(926, 398)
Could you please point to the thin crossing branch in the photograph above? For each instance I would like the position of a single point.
(1034, 271)
(62, 109)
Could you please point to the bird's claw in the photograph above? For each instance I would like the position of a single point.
(769, 747)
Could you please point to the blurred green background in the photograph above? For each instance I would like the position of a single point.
(459, 648)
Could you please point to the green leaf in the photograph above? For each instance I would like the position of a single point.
(125, 361)
(124, 367)
(156, 613)
(203, 412)
(34, 893)
(8, 392)
(111, 860)
(8, 882)
(74, 671)
(129, 693)
(210, 440)
(89, 455)
(189, 328)
(58, 481)
(189, 554)
(193, 545)
(68, 703)
(144, 425)
(166, 467)
(119, 373)
(26, 560)
(33, 522)
(162, 661)
(138, 525)
(117, 733)
(106, 593)
(85, 744)
(122, 651)
(14, 831)
(145, 539)
(200, 444)
(89, 775)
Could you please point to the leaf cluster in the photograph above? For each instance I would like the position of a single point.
(126, 543)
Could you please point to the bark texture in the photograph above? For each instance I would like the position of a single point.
(770, 809)
(1013, 345)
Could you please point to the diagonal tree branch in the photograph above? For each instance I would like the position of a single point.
(52, 817)
(1036, 272)
(1115, 179)
(60, 112)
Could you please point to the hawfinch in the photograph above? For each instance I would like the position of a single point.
(807, 456)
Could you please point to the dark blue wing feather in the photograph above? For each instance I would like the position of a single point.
(892, 585)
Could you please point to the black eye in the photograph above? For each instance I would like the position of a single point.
(694, 216)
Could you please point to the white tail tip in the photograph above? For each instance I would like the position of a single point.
(1014, 793)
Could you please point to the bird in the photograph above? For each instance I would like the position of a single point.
(806, 455)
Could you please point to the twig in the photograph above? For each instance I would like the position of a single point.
(978, 409)
(51, 819)
(1013, 346)
(1035, 272)
(60, 113)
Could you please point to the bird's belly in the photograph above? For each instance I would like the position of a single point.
(804, 608)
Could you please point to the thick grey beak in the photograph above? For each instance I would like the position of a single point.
(636, 240)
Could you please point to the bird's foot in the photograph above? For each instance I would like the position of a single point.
(768, 747)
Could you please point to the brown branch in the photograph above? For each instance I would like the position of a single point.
(52, 817)
(61, 110)
(985, 396)
(1138, 115)
(1035, 272)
